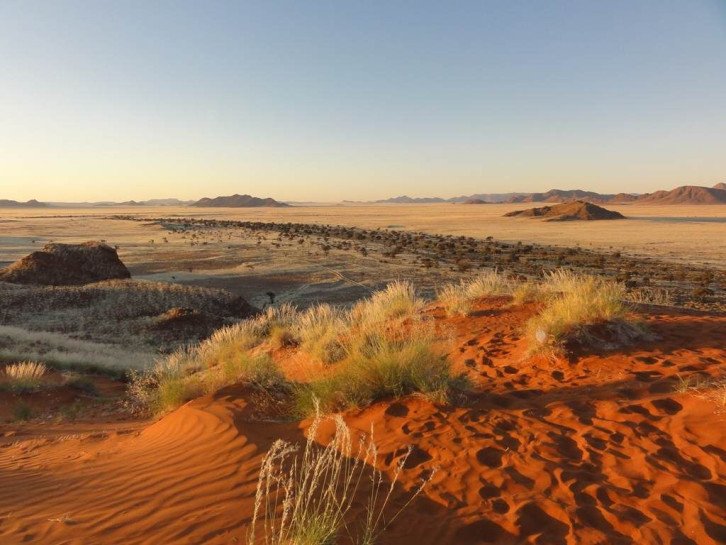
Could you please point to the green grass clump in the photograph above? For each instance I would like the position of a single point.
(383, 362)
(179, 378)
(381, 348)
(574, 305)
(22, 412)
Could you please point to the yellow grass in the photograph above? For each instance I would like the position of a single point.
(25, 376)
(574, 304)
(457, 298)
(382, 347)
(304, 498)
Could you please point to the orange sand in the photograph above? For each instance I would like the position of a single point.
(599, 449)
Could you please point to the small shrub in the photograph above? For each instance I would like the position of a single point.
(22, 412)
(650, 296)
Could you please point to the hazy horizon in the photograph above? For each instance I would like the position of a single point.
(327, 102)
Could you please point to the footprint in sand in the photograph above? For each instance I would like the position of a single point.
(667, 405)
(490, 456)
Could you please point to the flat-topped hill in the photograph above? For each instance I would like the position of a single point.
(66, 265)
(239, 201)
(570, 211)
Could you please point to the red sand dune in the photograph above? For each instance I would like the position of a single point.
(598, 449)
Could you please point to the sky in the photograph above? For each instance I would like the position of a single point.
(330, 100)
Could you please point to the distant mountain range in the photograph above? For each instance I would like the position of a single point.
(239, 201)
(688, 194)
(5, 203)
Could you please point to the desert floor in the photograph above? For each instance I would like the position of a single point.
(605, 447)
(610, 445)
(693, 234)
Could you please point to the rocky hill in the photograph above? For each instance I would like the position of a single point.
(687, 194)
(67, 264)
(571, 211)
(238, 201)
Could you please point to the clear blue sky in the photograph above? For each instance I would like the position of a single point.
(317, 100)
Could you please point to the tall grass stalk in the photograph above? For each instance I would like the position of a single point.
(304, 498)
(25, 376)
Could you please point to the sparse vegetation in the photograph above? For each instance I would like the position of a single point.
(457, 298)
(22, 412)
(382, 347)
(25, 376)
(575, 304)
(704, 387)
(113, 313)
(305, 498)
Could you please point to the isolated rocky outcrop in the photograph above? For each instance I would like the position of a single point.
(238, 201)
(67, 265)
(571, 211)
(475, 201)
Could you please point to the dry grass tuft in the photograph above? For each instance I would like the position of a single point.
(710, 389)
(457, 299)
(304, 498)
(25, 376)
(382, 347)
(319, 332)
(397, 302)
(574, 305)
(119, 312)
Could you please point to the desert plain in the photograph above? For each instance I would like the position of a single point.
(615, 432)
